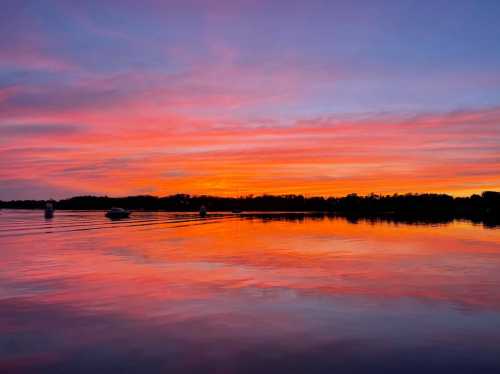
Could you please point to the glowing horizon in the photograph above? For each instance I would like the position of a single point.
(245, 97)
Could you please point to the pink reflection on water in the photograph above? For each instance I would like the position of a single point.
(244, 284)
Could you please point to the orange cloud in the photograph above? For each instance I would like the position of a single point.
(452, 152)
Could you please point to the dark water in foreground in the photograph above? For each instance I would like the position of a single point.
(165, 292)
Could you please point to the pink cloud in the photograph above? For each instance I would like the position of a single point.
(332, 155)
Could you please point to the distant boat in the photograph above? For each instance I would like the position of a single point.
(117, 213)
(203, 211)
(49, 210)
(236, 210)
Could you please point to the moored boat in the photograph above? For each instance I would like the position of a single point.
(49, 210)
(203, 211)
(117, 213)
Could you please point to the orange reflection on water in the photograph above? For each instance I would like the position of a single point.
(457, 263)
(170, 292)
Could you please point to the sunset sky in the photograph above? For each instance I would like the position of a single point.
(238, 97)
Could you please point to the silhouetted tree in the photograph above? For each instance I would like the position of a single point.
(409, 207)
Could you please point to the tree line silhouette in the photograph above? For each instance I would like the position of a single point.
(485, 206)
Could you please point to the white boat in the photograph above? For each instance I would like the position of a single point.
(116, 213)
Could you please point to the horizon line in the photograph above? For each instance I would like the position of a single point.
(262, 195)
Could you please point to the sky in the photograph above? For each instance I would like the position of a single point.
(248, 97)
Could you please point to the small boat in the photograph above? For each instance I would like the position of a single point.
(236, 210)
(117, 213)
(49, 210)
(203, 211)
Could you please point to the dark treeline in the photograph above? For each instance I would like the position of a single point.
(440, 206)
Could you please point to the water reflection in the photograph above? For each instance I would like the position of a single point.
(488, 222)
(253, 293)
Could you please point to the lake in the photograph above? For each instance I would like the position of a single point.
(170, 292)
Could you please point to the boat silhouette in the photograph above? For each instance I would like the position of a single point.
(49, 210)
(203, 211)
(117, 213)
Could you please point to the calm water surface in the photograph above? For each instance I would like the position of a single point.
(163, 292)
